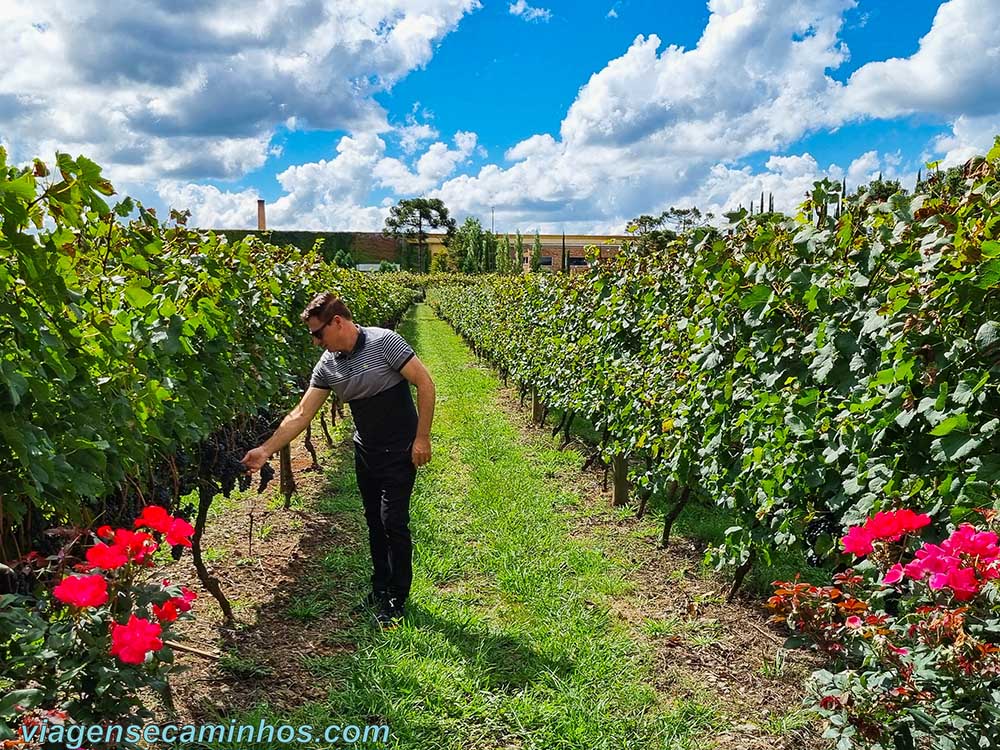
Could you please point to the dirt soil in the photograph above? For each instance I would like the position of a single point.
(261, 652)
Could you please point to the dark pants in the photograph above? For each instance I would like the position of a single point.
(385, 479)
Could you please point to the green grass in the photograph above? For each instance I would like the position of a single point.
(213, 554)
(780, 724)
(508, 640)
(776, 669)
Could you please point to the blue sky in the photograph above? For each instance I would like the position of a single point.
(570, 116)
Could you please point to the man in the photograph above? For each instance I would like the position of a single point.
(370, 369)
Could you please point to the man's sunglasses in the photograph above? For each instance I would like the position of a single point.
(319, 331)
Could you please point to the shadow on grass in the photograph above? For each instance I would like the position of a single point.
(505, 662)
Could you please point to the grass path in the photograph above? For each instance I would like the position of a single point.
(508, 641)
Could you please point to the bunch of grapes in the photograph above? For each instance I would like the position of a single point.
(823, 525)
(266, 475)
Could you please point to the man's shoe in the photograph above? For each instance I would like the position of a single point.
(374, 600)
(390, 614)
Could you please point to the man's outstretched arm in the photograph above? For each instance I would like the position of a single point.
(296, 421)
(415, 372)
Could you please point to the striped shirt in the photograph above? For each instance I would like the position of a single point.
(368, 379)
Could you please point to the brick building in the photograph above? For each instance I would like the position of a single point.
(553, 248)
(369, 248)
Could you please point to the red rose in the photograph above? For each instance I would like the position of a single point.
(184, 600)
(894, 524)
(893, 575)
(138, 545)
(167, 612)
(171, 609)
(962, 581)
(106, 557)
(134, 640)
(179, 532)
(154, 517)
(889, 525)
(857, 541)
(967, 541)
(82, 591)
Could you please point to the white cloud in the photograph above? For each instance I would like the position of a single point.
(612, 13)
(150, 91)
(328, 194)
(436, 163)
(411, 136)
(652, 125)
(755, 81)
(663, 125)
(864, 169)
(955, 71)
(528, 13)
(969, 136)
(537, 146)
(211, 207)
(788, 179)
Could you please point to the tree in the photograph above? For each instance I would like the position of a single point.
(471, 262)
(879, 190)
(536, 253)
(464, 249)
(408, 218)
(656, 232)
(440, 263)
(683, 219)
(344, 259)
(505, 263)
(489, 252)
(519, 251)
(644, 224)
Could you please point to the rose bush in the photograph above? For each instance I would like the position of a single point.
(93, 631)
(914, 632)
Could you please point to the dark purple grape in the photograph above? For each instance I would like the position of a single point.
(266, 475)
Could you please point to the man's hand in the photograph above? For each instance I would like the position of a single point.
(296, 421)
(255, 458)
(421, 451)
(415, 372)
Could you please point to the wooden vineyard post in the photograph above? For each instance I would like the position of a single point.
(285, 454)
(287, 480)
(620, 468)
(536, 407)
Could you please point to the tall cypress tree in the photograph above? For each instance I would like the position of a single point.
(505, 264)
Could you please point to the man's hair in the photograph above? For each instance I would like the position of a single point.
(324, 306)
